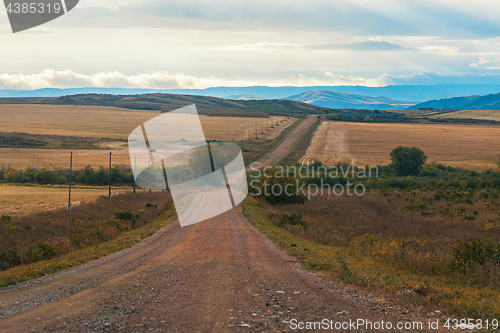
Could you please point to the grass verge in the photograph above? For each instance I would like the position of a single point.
(84, 255)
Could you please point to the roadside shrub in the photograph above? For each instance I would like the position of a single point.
(5, 218)
(473, 253)
(294, 219)
(127, 216)
(9, 258)
(40, 251)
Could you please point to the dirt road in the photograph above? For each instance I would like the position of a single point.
(329, 145)
(220, 275)
(287, 143)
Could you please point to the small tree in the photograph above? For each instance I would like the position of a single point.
(498, 162)
(407, 161)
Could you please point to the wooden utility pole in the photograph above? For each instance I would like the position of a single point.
(70, 169)
(256, 137)
(135, 162)
(262, 127)
(110, 153)
(249, 134)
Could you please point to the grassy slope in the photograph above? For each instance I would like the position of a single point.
(84, 255)
(169, 102)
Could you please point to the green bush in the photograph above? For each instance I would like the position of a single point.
(9, 258)
(475, 252)
(126, 216)
(40, 251)
(293, 219)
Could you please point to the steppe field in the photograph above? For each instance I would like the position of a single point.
(102, 122)
(471, 114)
(466, 146)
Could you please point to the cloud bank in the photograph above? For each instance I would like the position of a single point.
(164, 80)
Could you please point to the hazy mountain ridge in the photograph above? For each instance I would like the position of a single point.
(414, 93)
(245, 97)
(486, 102)
(336, 100)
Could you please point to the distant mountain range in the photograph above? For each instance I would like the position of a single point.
(341, 97)
(245, 97)
(336, 100)
(413, 93)
(491, 101)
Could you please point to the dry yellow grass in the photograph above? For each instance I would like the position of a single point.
(466, 146)
(16, 200)
(59, 158)
(472, 114)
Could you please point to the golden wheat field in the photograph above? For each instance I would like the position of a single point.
(472, 114)
(16, 200)
(467, 146)
(108, 122)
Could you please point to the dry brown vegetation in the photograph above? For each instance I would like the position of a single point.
(39, 236)
(467, 146)
(399, 242)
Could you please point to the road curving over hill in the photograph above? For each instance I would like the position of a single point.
(220, 275)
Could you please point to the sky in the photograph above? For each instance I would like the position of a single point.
(205, 43)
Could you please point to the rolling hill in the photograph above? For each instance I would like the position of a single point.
(168, 102)
(487, 102)
(336, 100)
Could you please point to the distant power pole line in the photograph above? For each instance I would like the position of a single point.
(135, 163)
(110, 153)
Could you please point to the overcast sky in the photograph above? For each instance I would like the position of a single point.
(205, 43)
